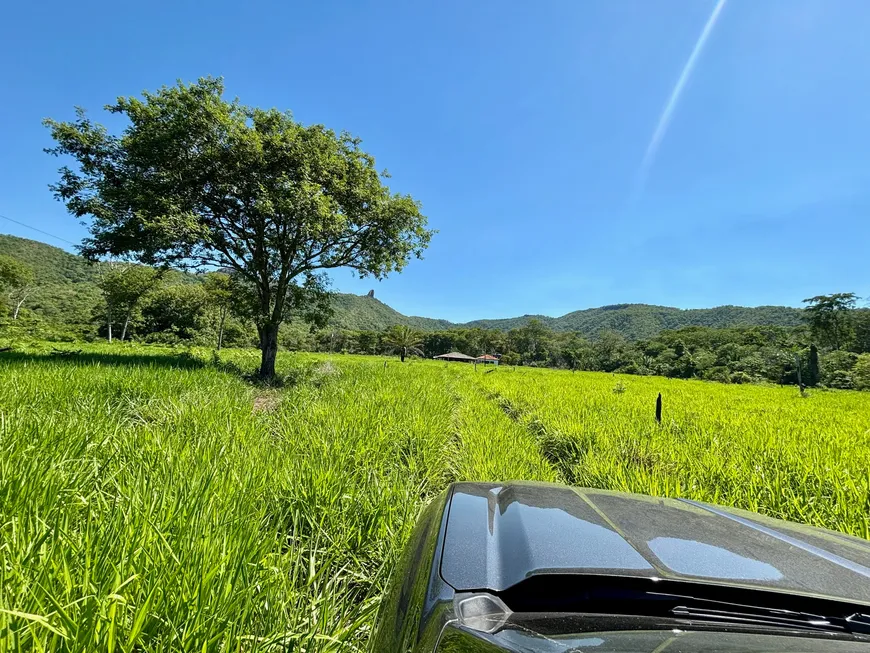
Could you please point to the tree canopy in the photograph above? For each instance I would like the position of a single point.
(404, 340)
(123, 287)
(13, 273)
(16, 280)
(830, 318)
(198, 181)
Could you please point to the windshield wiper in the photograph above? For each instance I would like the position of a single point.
(679, 599)
(709, 610)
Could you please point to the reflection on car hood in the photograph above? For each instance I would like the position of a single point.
(522, 640)
(498, 535)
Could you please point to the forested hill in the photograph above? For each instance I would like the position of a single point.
(636, 321)
(66, 289)
(363, 313)
(67, 292)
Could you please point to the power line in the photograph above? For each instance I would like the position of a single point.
(39, 230)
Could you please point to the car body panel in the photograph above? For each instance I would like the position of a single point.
(515, 638)
(518, 541)
(499, 535)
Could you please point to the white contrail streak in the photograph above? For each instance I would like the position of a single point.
(665, 119)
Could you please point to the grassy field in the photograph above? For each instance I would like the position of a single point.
(151, 500)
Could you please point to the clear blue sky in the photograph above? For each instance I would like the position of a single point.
(522, 128)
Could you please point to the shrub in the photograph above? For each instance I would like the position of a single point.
(632, 367)
(861, 373)
(718, 373)
(837, 369)
(841, 380)
(163, 338)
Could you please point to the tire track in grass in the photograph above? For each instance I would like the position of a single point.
(492, 446)
(559, 451)
(363, 453)
(764, 449)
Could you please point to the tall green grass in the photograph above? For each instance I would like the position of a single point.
(766, 449)
(153, 501)
(153, 507)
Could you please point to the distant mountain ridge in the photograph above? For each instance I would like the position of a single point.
(638, 321)
(67, 287)
(634, 321)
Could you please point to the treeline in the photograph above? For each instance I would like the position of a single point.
(732, 355)
(129, 302)
(140, 303)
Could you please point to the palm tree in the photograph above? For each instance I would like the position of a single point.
(404, 340)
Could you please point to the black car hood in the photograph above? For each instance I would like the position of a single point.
(523, 640)
(498, 535)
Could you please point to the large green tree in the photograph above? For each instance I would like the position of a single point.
(124, 286)
(178, 309)
(196, 180)
(861, 373)
(830, 318)
(530, 340)
(861, 322)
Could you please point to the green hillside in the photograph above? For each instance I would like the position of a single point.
(66, 290)
(634, 321)
(637, 321)
(362, 313)
(67, 293)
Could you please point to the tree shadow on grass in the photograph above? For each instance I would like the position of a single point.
(181, 360)
(178, 361)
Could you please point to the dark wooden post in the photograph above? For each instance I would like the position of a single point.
(659, 408)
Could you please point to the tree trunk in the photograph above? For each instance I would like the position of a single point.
(109, 321)
(269, 348)
(126, 322)
(402, 355)
(221, 328)
(18, 307)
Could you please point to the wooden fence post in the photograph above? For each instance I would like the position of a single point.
(659, 408)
